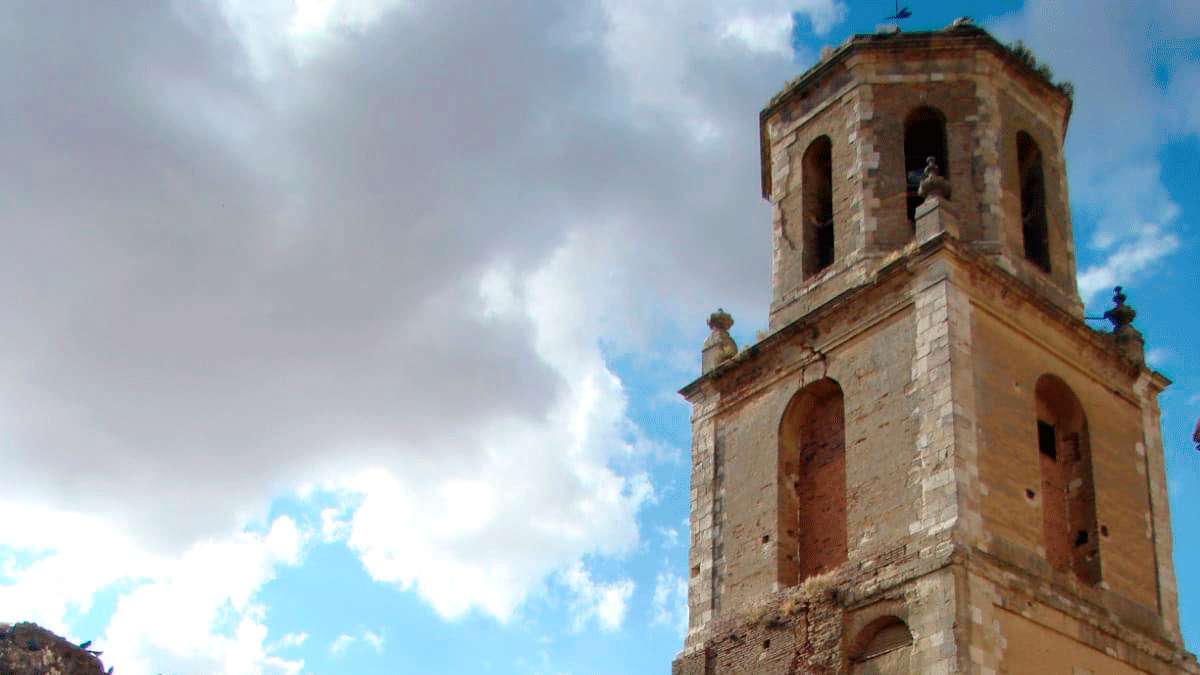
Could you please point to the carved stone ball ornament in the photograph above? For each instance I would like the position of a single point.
(933, 184)
(719, 347)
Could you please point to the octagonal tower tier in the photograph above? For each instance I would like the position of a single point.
(845, 148)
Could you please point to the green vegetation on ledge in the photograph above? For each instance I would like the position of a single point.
(1026, 56)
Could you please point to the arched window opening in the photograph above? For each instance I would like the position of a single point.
(883, 648)
(818, 206)
(924, 137)
(1034, 228)
(812, 483)
(1069, 525)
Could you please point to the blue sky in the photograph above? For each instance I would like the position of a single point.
(344, 336)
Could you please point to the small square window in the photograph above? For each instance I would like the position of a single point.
(1047, 442)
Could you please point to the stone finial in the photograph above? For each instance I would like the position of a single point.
(1128, 340)
(1121, 315)
(719, 347)
(933, 184)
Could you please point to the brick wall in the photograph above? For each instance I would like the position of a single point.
(812, 471)
(1014, 348)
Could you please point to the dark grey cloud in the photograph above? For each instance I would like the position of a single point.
(217, 281)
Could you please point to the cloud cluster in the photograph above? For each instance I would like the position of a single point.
(670, 603)
(594, 601)
(368, 247)
(199, 614)
(222, 285)
(193, 613)
(342, 643)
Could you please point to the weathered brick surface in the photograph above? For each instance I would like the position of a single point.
(874, 460)
(1017, 345)
(812, 490)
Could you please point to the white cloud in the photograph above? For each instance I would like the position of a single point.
(1127, 259)
(670, 536)
(287, 641)
(195, 613)
(374, 639)
(614, 599)
(335, 523)
(1184, 94)
(1157, 356)
(670, 601)
(767, 33)
(550, 488)
(446, 532)
(200, 615)
(340, 644)
(66, 572)
(605, 603)
(659, 46)
(317, 17)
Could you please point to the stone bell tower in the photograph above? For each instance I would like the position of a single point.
(929, 463)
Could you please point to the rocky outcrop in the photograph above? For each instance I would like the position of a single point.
(29, 649)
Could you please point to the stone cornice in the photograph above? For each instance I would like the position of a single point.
(1100, 342)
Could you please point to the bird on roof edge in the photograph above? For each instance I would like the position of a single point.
(901, 12)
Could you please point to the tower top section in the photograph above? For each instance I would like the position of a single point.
(959, 36)
(895, 139)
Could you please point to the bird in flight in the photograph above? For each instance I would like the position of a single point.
(901, 12)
